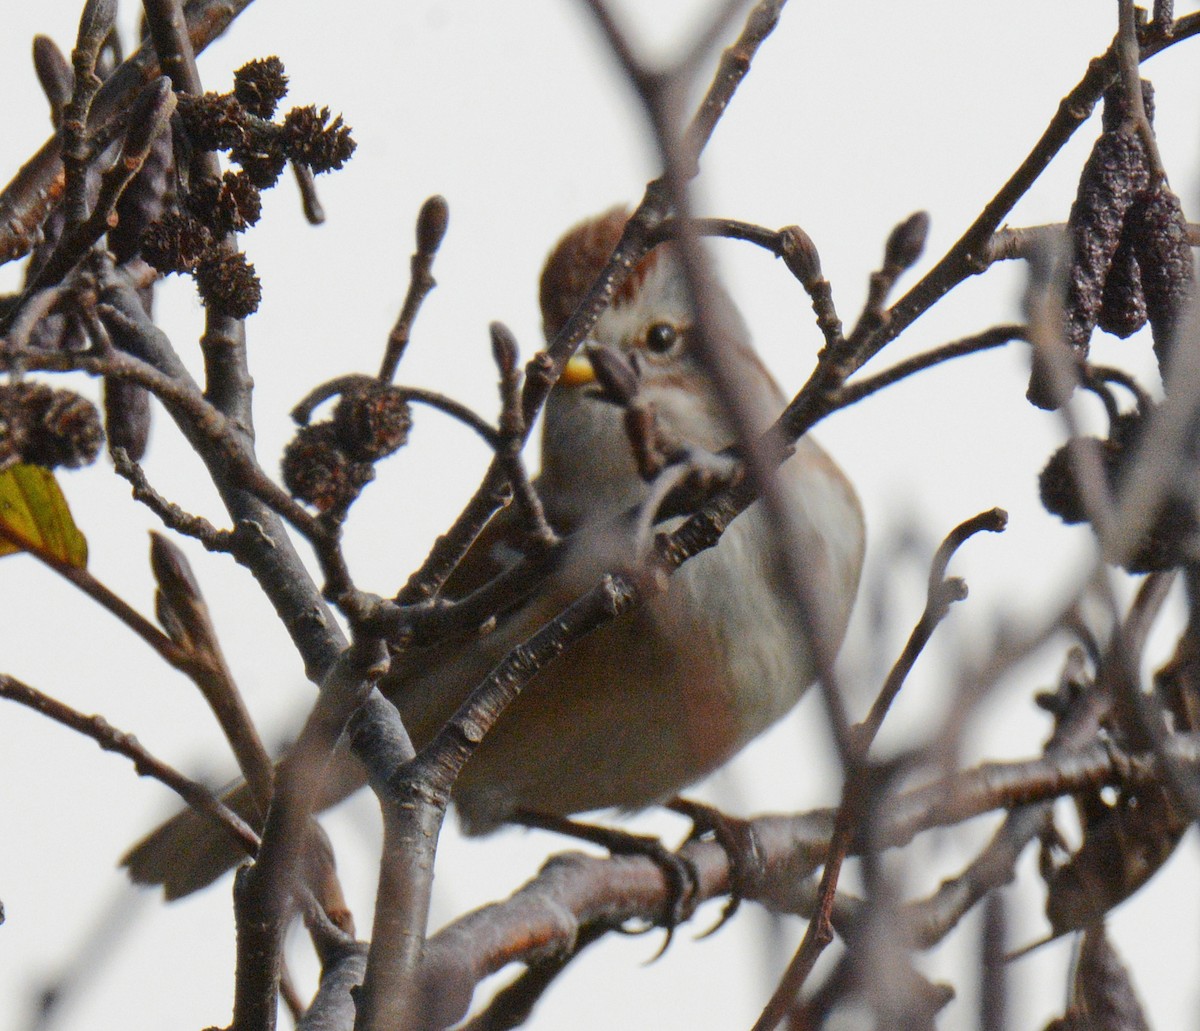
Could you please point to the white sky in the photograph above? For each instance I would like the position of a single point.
(854, 116)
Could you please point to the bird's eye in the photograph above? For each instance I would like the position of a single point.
(661, 337)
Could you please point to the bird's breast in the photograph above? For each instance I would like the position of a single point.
(646, 705)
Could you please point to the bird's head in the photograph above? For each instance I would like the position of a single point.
(650, 321)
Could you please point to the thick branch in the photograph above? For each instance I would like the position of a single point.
(575, 891)
(263, 892)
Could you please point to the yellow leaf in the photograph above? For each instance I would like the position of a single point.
(33, 506)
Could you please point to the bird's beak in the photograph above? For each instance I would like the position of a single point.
(578, 372)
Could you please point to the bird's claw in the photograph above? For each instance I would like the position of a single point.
(740, 844)
(682, 879)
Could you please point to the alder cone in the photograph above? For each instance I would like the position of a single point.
(1123, 304)
(1160, 235)
(372, 422)
(1115, 173)
(317, 471)
(47, 427)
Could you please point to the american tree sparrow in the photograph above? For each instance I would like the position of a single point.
(652, 702)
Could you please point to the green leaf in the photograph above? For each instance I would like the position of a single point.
(32, 505)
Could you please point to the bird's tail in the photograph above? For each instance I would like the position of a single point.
(190, 851)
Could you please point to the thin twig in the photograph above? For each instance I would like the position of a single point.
(202, 419)
(803, 260)
(710, 36)
(573, 892)
(78, 576)
(111, 739)
(734, 65)
(903, 248)
(150, 113)
(173, 517)
(988, 339)
(542, 371)
(513, 1005)
(819, 932)
(1010, 243)
(314, 214)
(512, 436)
(303, 410)
(724, 228)
(856, 796)
(182, 610)
(661, 100)
(1129, 57)
(942, 593)
(993, 980)
(95, 23)
(427, 580)
(397, 942)
(968, 255)
(432, 221)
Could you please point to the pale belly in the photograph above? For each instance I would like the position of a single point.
(647, 705)
(642, 707)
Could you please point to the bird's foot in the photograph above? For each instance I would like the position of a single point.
(680, 875)
(736, 837)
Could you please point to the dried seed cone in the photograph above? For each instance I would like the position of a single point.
(1115, 173)
(1123, 305)
(1160, 238)
(48, 427)
(260, 84)
(318, 472)
(1113, 112)
(311, 138)
(228, 284)
(177, 242)
(261, 155)
(68, 433)
(372, 422)
(1172, 534)
(214, 121)
(229, 205)
(1123, 308)
(1057, 486)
